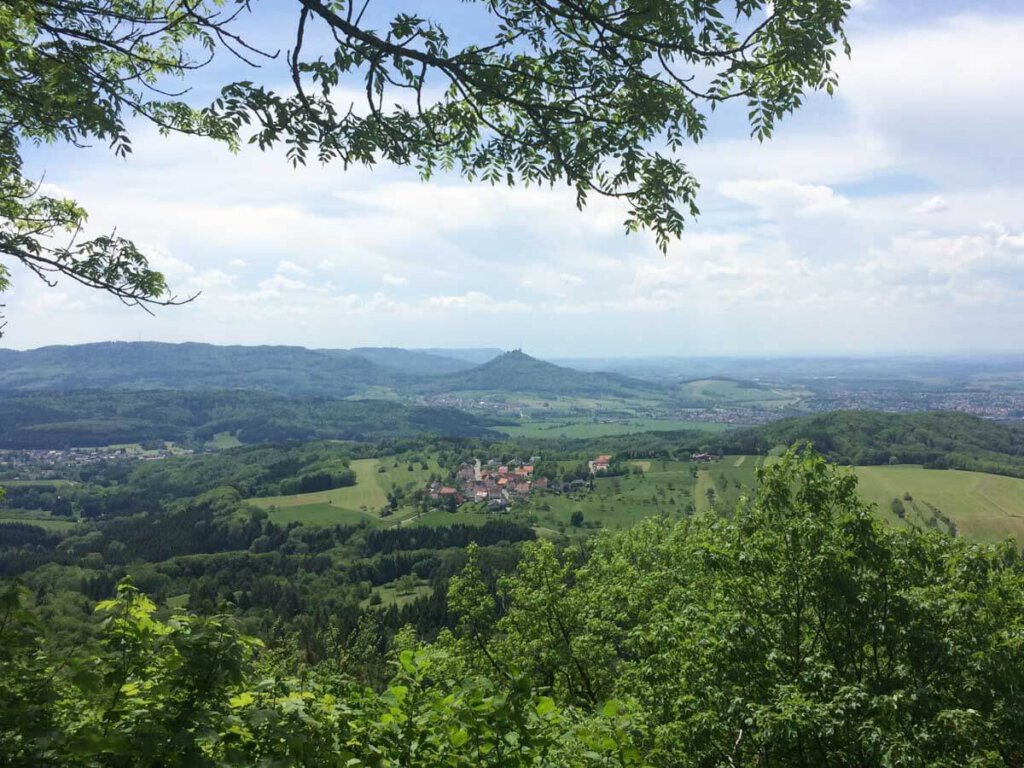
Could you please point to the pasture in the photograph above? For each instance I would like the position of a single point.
(357, 503)
(738, 393)
(38, 518)
(584, 428)
(984, 507)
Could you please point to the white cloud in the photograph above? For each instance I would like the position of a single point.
(474, 301)
(286, 267)
(783, 198)
(389, 279)
(934, 204)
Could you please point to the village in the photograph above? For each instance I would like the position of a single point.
(499, 485)
(32, 462)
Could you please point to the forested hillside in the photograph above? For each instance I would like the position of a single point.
(796, 632)
(938, 440)
(107, 417)
(147, 365)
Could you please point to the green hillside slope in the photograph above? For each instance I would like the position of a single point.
(936, 440)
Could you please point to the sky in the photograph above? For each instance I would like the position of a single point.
(888, 219)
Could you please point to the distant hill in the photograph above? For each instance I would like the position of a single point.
(475, 356)
(518, 372)
(935, 439)
(54, 420)
(297, 371)
(152, 365)
(408, 361)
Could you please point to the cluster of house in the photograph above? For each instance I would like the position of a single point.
(42, 459)
(498, 485)
(704, 457)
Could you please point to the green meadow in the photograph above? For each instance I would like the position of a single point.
(357, 503)
(584, 428)
(728, 392)
(984, 507)
(38, 518)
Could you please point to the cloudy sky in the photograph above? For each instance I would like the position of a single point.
(887, 219)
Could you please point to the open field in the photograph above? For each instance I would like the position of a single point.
(224, 440)
(357, 503)
(589, 428)
(29, 483)
(737, 393)
(43, 520)
(985, 507)
(393, 594)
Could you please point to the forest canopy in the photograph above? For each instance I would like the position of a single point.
(797, 631)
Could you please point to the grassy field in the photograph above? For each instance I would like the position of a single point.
(392, 594)
(589, 428)
(360, 502)
(984, 507)
(42, 519)
(728, 392)
(727, 478)
(28, 483)
(224, 440)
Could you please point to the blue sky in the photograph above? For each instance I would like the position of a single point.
(887, 219)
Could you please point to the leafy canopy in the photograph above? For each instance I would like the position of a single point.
(582, 93)
(796, 632)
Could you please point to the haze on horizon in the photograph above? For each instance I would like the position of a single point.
(887, 220)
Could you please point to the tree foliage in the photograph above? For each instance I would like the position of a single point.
(600, 95)
(796, 631)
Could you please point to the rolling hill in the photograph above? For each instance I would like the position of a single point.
(936, 439)
(519, 373)
(407, 361)
(297, 371)
(151, 365)
(53, 420)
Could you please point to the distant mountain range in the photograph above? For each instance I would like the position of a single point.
(297, 371)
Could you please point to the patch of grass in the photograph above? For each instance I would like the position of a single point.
(738, 393)
(323, 514)
(30, 483)
(224, 440)
(360, 502)
(178, 601)
(49, 523)
(393, 594)
(584, 428)
(984, 507)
